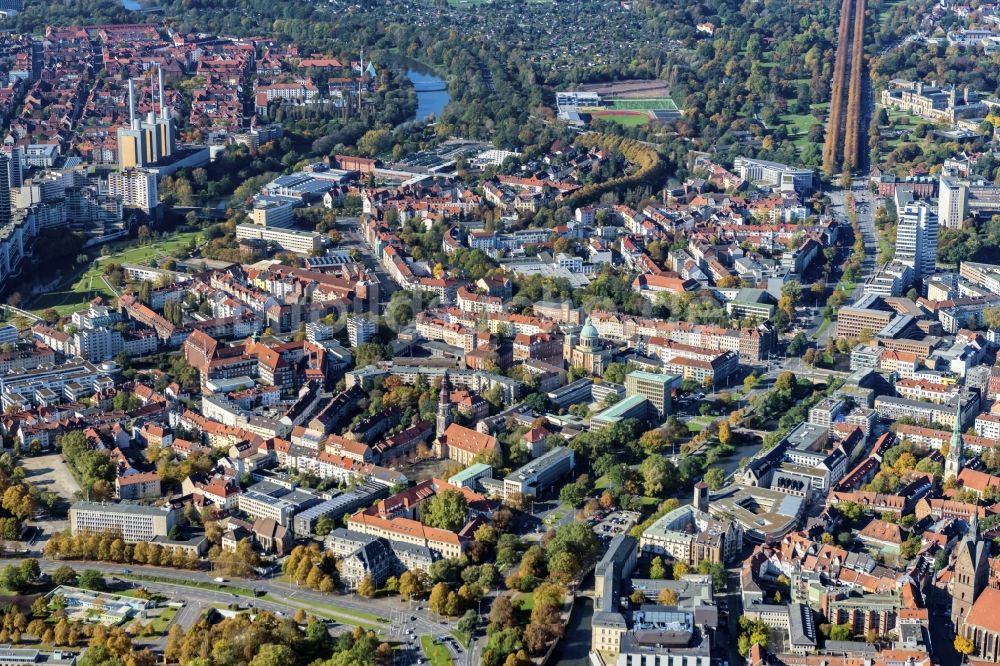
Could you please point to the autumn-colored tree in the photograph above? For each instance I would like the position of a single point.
(725, 434)
(438, 599)
(411, 585)
(367, 587)
(964, 646)
(667, 597)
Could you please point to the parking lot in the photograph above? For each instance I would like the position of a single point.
(616, 522)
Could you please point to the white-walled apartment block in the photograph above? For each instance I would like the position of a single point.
(360, 330)
(135, 187)
(298, 242)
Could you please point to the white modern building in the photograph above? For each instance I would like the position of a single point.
(775, 174)
(916, 238)
(298, 242)
(960, 198)
(360, 330)
(135, 187)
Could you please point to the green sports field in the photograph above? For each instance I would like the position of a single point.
(648, 104)
(624, 118)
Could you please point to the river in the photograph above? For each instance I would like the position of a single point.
(431, 99)
(574, 648)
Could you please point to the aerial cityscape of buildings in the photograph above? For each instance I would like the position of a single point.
(355, 340)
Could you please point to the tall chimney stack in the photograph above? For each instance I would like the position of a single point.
(163, 108)
(131, 104)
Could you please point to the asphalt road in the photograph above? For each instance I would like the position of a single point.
(283, 598)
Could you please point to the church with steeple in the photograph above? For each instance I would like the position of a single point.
(971, 572)
(971, 569)
(586, 352)
(444, 406)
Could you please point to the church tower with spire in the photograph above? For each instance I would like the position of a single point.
(971, 571)
(444, 406)
(953, 463)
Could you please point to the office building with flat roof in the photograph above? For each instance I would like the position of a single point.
(471, 475)
(653, 386)
(775, 174)
(291, 240)
(633, 407)
(540, 474)
(135, 522)
(18, 656)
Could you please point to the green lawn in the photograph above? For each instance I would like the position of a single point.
(75, 295)
(799, 123)
(699, 423)
(163, 620)
(902, 120)
(85, 285)
(822, 327)
(885, 9)
(525, 601)
(461, 637)
(636, 120)
(647, 104)
(436, 653)
(555, 517)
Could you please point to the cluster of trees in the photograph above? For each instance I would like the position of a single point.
(897, 463)
(562, 555)
(651, 168)
(752, 632)
(513, 636)
(109, 547)
(242, 561)
(456, 585)
(173, 312)
(48, 623)
(124, 401)
(20, 577)
(445, 601)
(855, 104)
(311, 567)
(635, 464)
(852, 267)
(94, 469)
(446, 511)
(266, 640)
(662, 569)
(832, 147)
(971, 243)
(174, 470)
(788, 402)
(18, 499)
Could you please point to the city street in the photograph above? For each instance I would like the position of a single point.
(276, 596)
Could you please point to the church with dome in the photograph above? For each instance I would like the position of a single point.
(586, 351)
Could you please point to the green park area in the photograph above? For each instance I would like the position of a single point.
(83, 286)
